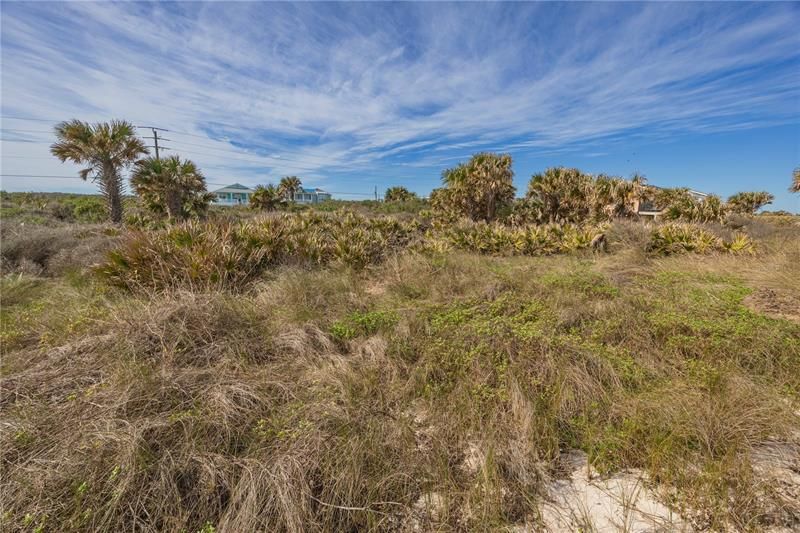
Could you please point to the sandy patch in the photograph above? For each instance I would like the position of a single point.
(586, 501)
(774, 304)
(777, 466)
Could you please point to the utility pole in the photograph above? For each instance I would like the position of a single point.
(376, 193)
(155, 138)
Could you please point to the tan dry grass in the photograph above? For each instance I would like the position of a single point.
(247, 412)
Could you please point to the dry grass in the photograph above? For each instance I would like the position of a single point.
(425, 391)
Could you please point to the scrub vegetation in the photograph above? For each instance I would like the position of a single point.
(354, 368)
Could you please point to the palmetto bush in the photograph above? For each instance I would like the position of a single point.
(226, 256)
(193, 255)
(562, 194)
(399, 194)
(747, 203)
(678, 238)
(497, 239)
(680, 205)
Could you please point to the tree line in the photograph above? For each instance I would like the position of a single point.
(482, 189)
(479, 189)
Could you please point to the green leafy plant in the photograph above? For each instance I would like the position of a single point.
(266, 198)
(477, 189)
(678, 238)
(747, 203)
(398, 194)
(171, 186)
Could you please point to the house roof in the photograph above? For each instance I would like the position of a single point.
(312, 191)
(236, 187)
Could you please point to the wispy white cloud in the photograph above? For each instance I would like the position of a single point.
(315, 89)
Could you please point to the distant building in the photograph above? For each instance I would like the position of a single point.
(236, 194)
(311, 196)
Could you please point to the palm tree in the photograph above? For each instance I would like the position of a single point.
(289, 186)
(564, 194)
(478, 188)
(492, 182)
(266, 198)
(747, 203)
(398, 194)
(795, 187)
(106, 149)
(171, 184)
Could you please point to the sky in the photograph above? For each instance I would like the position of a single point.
(354, 96)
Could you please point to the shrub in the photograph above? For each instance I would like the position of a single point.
(195, 255)
(399, 194)
(171, 187)
(747, 203)
(496, 239)
(568, 195)
(679, 204)
(358, 324)
(89, 209)
(562, 194)
(677, 238)
(228, 255)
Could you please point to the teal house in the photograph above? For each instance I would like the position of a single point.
(236, 194)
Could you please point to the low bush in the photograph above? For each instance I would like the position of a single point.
(497, 239)
(207, 256)
(677, 238)
(192, 255)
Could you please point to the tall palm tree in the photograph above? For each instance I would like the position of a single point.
(289, 186)
(106, 149)
(266, 198)
(795, 187)
(170, 184)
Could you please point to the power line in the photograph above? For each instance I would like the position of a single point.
(265, 160)
(306, 157)
(270, 157)
(277, 147)
(48, 176)
(51, 176)
(25, 131)
(9, 117)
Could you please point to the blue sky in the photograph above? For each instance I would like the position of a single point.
(353, 96)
